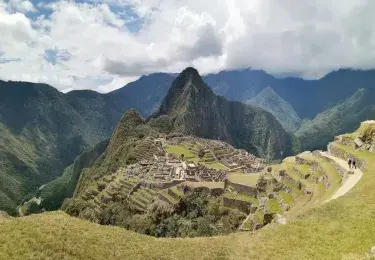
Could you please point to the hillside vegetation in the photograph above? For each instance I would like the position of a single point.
(282, 110)
(339, 229)
(43, 130)
(341, 118)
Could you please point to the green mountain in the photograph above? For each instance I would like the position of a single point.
(270, 101)
(341, 118)
(42, 134)
(190, 108)
(195, 110)
(44, 130)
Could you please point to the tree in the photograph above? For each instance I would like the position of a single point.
(201, 153)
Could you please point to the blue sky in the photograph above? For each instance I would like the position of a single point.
(102, 45)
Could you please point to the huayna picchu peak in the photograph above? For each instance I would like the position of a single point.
(194, 109)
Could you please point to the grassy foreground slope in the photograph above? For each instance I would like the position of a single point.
(340, 229)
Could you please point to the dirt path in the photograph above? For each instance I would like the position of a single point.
(350, 180)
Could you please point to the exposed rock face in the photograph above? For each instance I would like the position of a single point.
(358, 142)
(195, 110)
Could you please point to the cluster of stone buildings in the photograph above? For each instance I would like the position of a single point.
(164, 167)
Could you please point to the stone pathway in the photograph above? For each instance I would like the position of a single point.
(349, 182)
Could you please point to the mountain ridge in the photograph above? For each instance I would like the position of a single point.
(270, 101)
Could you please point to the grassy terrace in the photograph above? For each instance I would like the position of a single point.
(290, 171)
(240, 196)
(286, 197)
(273, 206)
(191, 156)
(246, 179)
(332, 174)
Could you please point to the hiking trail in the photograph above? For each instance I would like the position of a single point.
(350, 179)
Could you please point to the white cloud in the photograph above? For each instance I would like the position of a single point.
(21, 6)
(92, 41)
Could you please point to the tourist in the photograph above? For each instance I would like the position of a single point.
(354, 166)
(350, 163)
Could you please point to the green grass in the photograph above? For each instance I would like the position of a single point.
(290, 171)
(273, 206)
(287, 198)
(214, 165)
(259, 216)
(246, 179)
(190, 156)
(240, 196)
(179, 150)
(177, 191)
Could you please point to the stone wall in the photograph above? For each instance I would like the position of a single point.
(345, 140)
(162, 185)
(339, 153)
(338, 167)
(241, 205)
(251, 191)
(215, 192)
(300, 160)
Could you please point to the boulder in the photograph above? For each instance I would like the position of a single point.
(358, 142)
(281, 172)
(373, 250)
(279, 219)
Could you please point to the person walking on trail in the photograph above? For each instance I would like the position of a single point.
(354, 164)
(350, 163)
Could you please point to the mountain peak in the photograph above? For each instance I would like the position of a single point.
(188, 78)
(125, 129)
(190, 71)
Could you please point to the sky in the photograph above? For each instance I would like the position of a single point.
(102, 45)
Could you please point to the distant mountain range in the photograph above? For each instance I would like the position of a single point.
(44, 130)
(316, 133)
